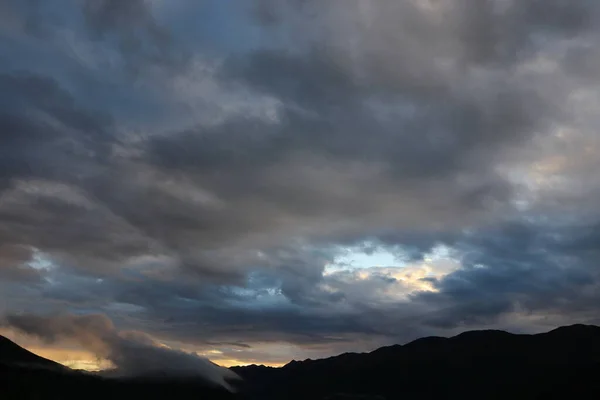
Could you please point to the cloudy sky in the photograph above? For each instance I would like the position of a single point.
(265, 180)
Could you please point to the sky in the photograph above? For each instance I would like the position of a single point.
(265, 180)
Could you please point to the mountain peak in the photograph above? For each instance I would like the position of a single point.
(483, 332)
(577, 327)
(576, 330)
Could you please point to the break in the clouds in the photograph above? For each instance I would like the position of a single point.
(264, 180)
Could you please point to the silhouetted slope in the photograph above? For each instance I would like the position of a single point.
(13, 354)
(476, 364)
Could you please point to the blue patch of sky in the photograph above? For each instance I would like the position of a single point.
(365, 255)
(368, 255)
(39, 261)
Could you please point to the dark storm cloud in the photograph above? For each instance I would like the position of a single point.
(45, 133)
(328, 114)
(249, 166)
(494, 32)
(214, 195)
(50, 145)
(519, 267)
(142, 40)
(123, 18)
(13, 264)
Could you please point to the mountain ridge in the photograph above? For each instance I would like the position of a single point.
(489, 364)
(430, 339)
(430, 367)
(13, 354)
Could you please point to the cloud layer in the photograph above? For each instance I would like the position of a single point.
(331, 175)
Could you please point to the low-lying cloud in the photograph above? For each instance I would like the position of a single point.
(133, 354)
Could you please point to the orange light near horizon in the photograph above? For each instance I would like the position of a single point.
(239, 363)
(81, 359)
(78, 358)
(75, 359)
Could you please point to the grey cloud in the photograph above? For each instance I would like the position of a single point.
(45, 132)
(49, 146)
(14, 264)
(142, 40)
(268, 178)
(517, 275)
(108, 16)
(202, 314)
(487, 33)
(25, 17)
(518, 267)
(504, 32)
(230, 344)
(383, 132)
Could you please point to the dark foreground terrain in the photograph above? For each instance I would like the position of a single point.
(563, 363)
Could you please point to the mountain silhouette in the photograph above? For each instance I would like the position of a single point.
(14, 355)
(476, 364)
(562, 363)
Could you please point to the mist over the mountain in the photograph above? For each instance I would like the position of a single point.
(133, 354)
